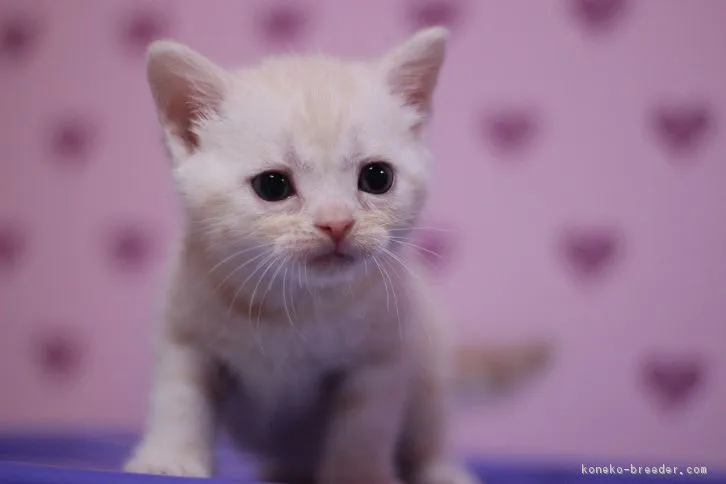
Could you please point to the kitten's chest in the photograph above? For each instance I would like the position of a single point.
(284, 361)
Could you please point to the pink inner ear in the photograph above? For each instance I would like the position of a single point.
(187, 100)
(415, 82)
(186, 86)
(414, 69)
(181, 113)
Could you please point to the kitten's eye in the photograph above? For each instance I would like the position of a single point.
(273, 186)
(375, 178)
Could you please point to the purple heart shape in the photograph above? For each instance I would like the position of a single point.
(72, 139)
(13, 241)
(672, 380)
(283, 23)
(18, 36)
(681, 129)
(141, 28)
(430, 13)
(132, 247)
(60, 352)
(511, 130)
(598, 15)
(589, 252)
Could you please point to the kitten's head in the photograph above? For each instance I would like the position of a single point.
(310, 162)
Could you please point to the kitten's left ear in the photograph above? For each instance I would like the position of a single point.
(186, 87)
(411, 69)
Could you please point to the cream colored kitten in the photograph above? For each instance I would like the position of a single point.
(293, 315)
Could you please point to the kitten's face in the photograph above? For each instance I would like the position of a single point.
(309, 169)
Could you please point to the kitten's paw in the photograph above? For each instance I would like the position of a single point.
(170, 462)
(447, 474)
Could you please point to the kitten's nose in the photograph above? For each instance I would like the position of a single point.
(336, 229)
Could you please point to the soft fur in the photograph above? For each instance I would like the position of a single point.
(333, 373)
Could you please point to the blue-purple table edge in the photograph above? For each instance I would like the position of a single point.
(69, 458)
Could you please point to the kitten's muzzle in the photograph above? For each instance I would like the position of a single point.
(337, 229)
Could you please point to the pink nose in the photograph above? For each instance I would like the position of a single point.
(336, 230)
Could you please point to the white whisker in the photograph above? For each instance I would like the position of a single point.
(252, 299)
(385, 282)
(284, 301)
(257, 286)
(281, 264)
(402, 241)
(307, 281)
(433, 229)
(248, 261)
(396, 258)
(270, 256)
(395, 302)
(236, 254)
(298, 264)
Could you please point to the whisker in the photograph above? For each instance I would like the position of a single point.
(299, 266)
(385, 282)
(281, 264)
(307, 281)
(270, 256)
(236, 254)
(402, 241)
(400, 261)
(284, 301)
(433, 229)
(395, 302)
(252, 299)
(397, 259)
(248, 261)
(257, 286)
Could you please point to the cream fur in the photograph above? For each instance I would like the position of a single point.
(242, 293)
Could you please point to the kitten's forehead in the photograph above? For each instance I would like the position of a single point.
(315, 109)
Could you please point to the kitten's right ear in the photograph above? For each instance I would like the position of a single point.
(186, 87)
(412, 68)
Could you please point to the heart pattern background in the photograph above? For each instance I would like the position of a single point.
(599, 15)
(673, 380)
(579, 196)
(590, 251)
(509, 131)
(681, 128)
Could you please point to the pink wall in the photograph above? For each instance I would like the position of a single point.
(582, 169)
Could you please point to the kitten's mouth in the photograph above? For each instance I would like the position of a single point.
(332, 259)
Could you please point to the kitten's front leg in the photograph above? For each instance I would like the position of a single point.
(179, 435)
(364, 426)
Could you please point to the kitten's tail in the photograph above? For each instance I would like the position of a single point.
(501, 369)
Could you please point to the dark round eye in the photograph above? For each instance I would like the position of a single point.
(375, 178)
(272, 186)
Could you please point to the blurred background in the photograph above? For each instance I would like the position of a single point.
(580, 192)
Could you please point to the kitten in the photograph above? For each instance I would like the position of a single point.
(294, 316)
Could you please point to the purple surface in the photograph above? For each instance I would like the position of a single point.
(95, 459)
